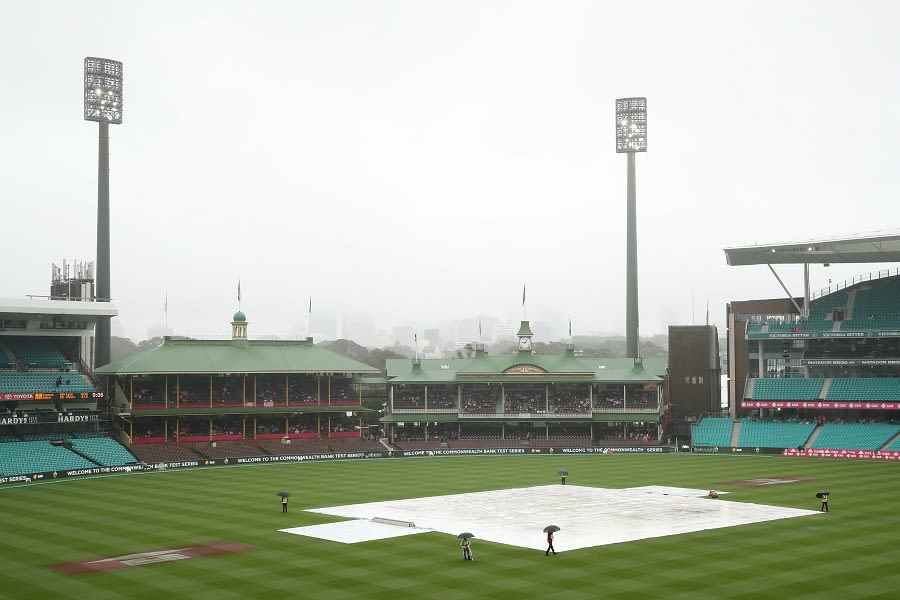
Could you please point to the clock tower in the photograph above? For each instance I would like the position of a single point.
(525, 336)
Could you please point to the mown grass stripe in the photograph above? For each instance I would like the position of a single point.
(849, 553)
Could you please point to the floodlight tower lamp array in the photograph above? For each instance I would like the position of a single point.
(102, 90)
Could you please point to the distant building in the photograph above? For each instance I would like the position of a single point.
(694, 387)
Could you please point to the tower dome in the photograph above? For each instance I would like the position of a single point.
(239, 326)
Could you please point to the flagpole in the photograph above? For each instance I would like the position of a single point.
(309, 320)
(166, 311)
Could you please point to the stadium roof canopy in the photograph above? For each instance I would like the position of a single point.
(39, 307)
(40, 316)
(874, 247)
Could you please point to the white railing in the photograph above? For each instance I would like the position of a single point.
(881, 274)
(628, 409)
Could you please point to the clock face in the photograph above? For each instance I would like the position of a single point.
(525, 343)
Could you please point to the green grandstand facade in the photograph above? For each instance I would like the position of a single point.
(525, 396)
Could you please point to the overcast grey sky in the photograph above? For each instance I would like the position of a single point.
(419, 161)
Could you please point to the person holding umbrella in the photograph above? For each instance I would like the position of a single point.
(550, 530)
(823, 496)
(466, 545)
(284, 501)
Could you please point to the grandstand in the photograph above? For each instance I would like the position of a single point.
(830, 360)
(755, 434)
(830, 374)
(220, 399)
(47, 391)
(523, 399)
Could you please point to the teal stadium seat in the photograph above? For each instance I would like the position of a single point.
(36, 352)
(787, 388)
(866, 389)
(712, 431)
(875, 306)
(823, 308)
(106, 451)
(855, 436)
(44, 381)
(773, 434)
(25, 458)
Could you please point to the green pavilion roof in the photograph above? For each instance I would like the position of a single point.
(526, 367)
(186, 356)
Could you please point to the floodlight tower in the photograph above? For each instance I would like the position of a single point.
(103, 104)
(631, 137)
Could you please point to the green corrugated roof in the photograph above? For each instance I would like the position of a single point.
(235, 356)
(399, 366)
(435, 370)
(552, 364)
(624, 369)
(558, 367)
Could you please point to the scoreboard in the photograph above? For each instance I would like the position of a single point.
(50, 396)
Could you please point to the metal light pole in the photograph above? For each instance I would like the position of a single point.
(103, 104)
(631, 137)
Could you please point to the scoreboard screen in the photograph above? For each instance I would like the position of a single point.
(49, 396)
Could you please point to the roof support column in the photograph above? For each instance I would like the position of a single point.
(804, 312)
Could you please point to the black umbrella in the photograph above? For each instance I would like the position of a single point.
(465, 535)
(284, 494)
(822, 494)
(551, 529)
(563, 472)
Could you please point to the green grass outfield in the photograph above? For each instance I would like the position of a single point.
(852, 552)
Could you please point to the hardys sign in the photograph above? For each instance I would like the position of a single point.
(50, 417)
(29, 420)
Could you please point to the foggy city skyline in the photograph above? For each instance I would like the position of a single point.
(417, 164)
